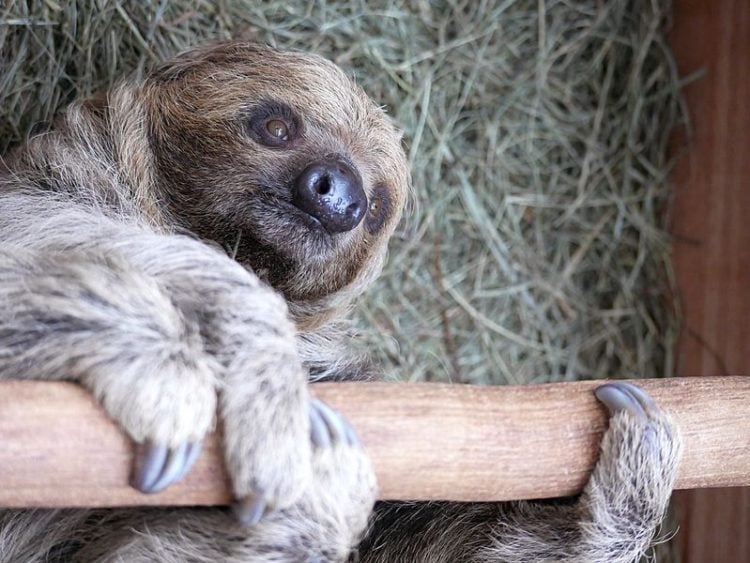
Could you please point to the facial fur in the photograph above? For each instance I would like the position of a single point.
(224, 178)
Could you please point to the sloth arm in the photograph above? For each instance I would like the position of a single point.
(102, 299)
(110, 303)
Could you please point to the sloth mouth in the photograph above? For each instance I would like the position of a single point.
(295, 215)
(282, 242)
(305, 219)
(294, 225)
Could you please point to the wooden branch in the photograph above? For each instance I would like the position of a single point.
(428, 441)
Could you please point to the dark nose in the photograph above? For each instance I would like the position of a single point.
(331, 191)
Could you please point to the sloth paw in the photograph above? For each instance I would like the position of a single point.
(268, 448)
(167, 409)
(640, 435)
(341, 482)
(328, 518)
(634, 477)
(343, 489)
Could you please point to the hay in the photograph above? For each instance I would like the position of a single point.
(537, 138)
(536, 132)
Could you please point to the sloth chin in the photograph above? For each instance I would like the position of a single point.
(294, 238)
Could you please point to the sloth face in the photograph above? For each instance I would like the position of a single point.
(281, 159)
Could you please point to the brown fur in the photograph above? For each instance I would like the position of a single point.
(151, 252)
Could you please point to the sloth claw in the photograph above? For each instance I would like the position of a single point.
(148, 469)
(250, 509)
(192, 454)
(641, 396)
(319, 434)
(161, 466)
(327, 427)
(351, 436)
(622, 396)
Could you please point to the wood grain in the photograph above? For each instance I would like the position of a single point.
(712, 242)
(427, 441)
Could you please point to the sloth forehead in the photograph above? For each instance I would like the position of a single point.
(325, 98)
(220, 79)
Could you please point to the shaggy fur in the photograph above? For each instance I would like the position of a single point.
(151, 252)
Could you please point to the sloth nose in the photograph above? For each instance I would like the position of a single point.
(331, 191)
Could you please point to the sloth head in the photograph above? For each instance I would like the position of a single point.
(280, 158)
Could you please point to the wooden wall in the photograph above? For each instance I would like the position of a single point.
(712, 244)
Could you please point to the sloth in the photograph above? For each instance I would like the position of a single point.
(187, 248)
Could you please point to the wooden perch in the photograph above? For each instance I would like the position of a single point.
(427, 441)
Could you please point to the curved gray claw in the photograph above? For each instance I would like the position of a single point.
(160, 466)
(620, 395)
(318, 429)
(250, 509)
(328, 427)
(643, 398)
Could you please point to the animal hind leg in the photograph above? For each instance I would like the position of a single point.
(612, 521)
(623, 503)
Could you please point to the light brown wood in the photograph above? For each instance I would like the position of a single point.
(712, 242)
(427, 441)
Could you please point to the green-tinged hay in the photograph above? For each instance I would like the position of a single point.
(538, 137)
(536, 133)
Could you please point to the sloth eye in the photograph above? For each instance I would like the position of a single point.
(277, 128)
(379, 209)
(273, 124)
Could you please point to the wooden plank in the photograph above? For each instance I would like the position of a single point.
(714, 525)
(712, 205)
(712, 242)
(427, 441)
